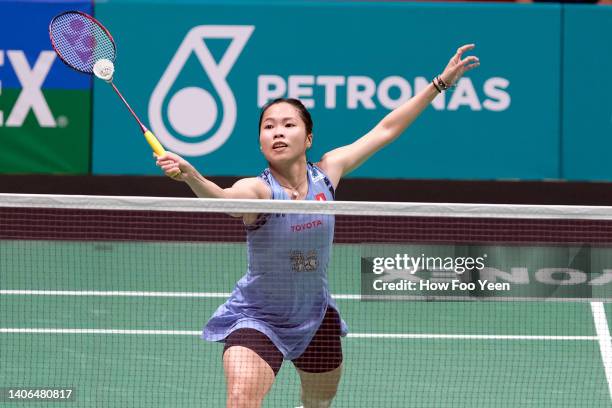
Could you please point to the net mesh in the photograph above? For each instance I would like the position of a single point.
(108, 297)
(80, 41)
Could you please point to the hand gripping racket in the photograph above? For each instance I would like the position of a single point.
(85, 45)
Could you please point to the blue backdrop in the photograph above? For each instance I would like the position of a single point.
(202, 71)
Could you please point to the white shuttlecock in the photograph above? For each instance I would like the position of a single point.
(104, 69)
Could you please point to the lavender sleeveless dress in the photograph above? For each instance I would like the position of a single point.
(284, 293)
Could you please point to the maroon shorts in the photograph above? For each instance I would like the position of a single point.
(323, 354)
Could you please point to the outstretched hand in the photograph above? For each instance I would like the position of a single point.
(457, 66)
(173, 165)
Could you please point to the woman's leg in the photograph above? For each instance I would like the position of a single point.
(319, 389)
(251, 362)
(248, 376)
(320, 366)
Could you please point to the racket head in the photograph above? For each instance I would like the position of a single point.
(80, 40)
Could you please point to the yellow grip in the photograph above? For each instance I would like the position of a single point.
(158, 149)
(154, 143)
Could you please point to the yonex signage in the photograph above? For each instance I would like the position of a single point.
(45, 111)
(31, 96)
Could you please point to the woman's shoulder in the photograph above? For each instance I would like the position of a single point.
(330, 171)
(328, 175)
(257, 185)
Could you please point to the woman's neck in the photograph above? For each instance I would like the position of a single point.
(292, 178)
(292, 175)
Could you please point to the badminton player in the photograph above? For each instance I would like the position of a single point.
(281, 309)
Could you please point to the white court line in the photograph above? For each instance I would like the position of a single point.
(605, 341)
(466, 336)
(115, 293)
(338, 296)
(352, 335)
(136, 294)
(24, 292)
(100, 331)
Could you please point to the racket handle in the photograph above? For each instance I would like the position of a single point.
(154, 143)
(158, 149)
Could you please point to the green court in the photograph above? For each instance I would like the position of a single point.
(120, 322)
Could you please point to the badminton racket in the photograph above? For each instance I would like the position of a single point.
(85, 45)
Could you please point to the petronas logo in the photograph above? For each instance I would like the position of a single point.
(181, 105)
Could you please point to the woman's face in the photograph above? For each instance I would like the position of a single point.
(283, 134)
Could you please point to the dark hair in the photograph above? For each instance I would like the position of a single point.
(297, 104)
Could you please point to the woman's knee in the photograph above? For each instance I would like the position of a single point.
(320, 387)
(249, 378)
(239, 396)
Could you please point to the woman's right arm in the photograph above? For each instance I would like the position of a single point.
(252, 187)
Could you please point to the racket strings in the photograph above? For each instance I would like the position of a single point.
(80, 41)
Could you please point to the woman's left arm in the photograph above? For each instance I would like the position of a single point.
(345, 159)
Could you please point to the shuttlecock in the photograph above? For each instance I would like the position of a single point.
(104, 69)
